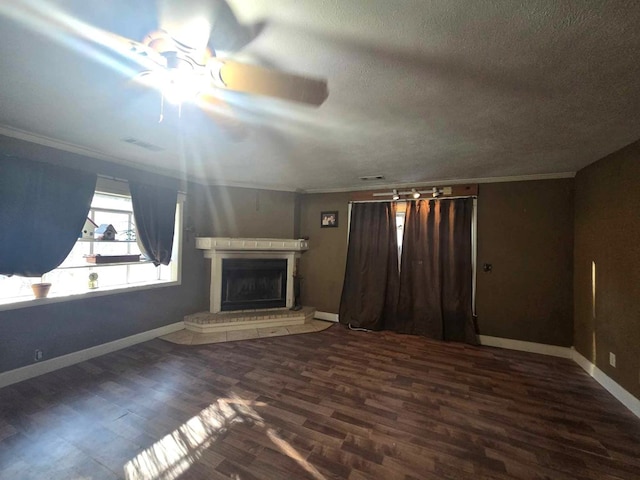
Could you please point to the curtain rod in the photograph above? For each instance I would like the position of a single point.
(413, 199)
(124, 180)
(115, 179)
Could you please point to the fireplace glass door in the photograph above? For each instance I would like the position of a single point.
(249, 284)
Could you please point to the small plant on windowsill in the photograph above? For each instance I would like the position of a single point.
(41, 288)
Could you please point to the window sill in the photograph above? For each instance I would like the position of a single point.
(25, 302)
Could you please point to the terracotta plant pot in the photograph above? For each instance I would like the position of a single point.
(40, 290)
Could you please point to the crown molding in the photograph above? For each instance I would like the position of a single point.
(45, 141)
(443, 183)
(69, 147)
(49, 142)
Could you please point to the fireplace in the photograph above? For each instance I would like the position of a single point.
(249, 283)
(266, 285)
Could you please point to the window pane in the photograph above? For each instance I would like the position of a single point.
(110, 276)
(73, 280)
(15, 286)
(122, 222)
(142, 273)
(111, 202)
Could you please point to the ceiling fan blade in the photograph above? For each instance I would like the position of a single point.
(187, 21)
(205, 23)
(220, 112)
(227, 33)
(252, 79)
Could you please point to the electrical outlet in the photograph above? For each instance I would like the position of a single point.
(612, 359)
(37, 355)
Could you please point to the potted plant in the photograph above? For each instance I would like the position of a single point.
(41, 288)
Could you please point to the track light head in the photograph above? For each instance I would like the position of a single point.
(395, 195)
(415, 194)
(436, 193)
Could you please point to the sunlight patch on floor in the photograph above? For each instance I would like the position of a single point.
(172, 455)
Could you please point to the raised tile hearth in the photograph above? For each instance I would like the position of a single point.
(207, 322)
(187, 337)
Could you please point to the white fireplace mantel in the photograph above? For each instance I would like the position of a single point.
(251, 244)
(219, 248)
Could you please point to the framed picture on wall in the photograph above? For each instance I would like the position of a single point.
(329, 219)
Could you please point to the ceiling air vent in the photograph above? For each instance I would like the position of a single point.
(145, 145)
(367, 178)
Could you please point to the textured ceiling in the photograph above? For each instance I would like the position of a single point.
(420, 91)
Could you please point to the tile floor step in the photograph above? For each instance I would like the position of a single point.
(207, 322)
(187, 337)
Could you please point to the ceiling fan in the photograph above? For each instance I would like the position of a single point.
(179, 61)
(180, 58)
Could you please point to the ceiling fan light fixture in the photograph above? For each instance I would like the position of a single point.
(177, 86)
(181, 90)
(181, 77)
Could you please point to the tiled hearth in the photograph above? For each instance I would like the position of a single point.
(207, 327)
(207, 322)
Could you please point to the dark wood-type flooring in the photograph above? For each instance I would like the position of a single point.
(337, 404)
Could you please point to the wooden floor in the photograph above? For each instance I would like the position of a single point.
(336, 404)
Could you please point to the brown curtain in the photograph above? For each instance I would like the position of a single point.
(369, 293)
(436, 271)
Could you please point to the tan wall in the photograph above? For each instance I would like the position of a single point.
(245, 212)
(525, 230)
(322, 266)
(607, 232)
(241, 212)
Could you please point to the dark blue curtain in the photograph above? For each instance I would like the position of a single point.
(154, 209)
(43, 208)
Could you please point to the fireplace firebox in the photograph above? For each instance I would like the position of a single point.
(253, 283)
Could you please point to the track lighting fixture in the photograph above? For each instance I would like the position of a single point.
(414, 193)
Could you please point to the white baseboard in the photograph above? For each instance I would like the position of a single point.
(46, 366)
(329, 317)
(541, 348)
(624, 397)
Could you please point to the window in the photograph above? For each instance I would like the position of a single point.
(400, 216)
(72, 277)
